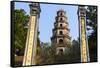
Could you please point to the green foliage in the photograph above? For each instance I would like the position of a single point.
(92, 38)
(47, 54)
(92, 17)
(20, 32)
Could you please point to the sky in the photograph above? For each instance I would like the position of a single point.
(47, 19)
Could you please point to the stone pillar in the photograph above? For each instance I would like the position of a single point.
(83, 37)
(31, 42)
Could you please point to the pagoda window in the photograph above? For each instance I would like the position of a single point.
(60, 32)
(60, 25)
(61, 51)
(61, 19)
(60, 40)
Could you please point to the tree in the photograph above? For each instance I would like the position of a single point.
(92, 37)
(76, 51)
(20, 32)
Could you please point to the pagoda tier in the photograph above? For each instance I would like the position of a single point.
(61, 37)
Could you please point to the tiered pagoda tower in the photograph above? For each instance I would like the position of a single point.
(61, 38)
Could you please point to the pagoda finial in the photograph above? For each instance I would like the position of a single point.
(61, 9)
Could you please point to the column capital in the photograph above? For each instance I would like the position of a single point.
(35, 9)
